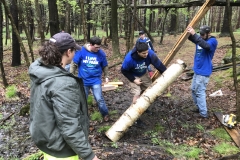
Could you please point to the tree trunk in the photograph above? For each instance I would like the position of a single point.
(133, 23)
(166, 12)
(145, 100)
(53, 17)
(88, 19)
(29, 39)
(225, 26)
(7, 10)
(39, 21)
(67, 18)
(219, 19)
(237, 87)
(128, 24)
(7, 29)
(1, 49)
(83, 21)
(115, 39)
(16, 55)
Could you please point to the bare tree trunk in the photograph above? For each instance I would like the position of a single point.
(7, 10)
(145, 100)
(236, 85)
(133, 23)
(115, 39)
(67, 18)
(83, 21)
(1, 49)
(166, 12)
(16, 54)
(219, 18)
(53, 17)
(39, 21)
(29, 39)
(225, 26)
(7, 29)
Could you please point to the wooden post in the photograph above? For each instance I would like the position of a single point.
(202, 11)
(150, 94)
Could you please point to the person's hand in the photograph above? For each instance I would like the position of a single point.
(191, 30)
(106, 80)
(95, 158)
(138, 81)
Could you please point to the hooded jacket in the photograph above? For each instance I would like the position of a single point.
(136, 66)
(58, 112)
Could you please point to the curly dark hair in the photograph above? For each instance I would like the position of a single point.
(51, 55)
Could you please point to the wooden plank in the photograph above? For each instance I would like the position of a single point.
(115, 83)
(234, 133)
(202, 11)
(108, 88)
(107, 85)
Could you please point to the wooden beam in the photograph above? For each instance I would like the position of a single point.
(202, 11)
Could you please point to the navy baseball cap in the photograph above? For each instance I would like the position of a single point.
(64, 41)
(204, 29)
(141, 32)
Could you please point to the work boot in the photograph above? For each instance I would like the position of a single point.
(196, 110)
(106, 118)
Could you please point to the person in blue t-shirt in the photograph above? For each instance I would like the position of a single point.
(205, 49)
(135, 65)
(144, 39)
(91, 62)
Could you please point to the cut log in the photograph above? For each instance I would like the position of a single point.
(202, 11)
(150, 94)
(108, 88)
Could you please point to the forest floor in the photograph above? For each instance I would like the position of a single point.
(171, 130)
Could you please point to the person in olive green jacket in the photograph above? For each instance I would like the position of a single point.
(59, 119)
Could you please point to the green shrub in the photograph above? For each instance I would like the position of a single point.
(11, 91)
(226, 149)
(221, 133)
(103, 129)
(96, 116)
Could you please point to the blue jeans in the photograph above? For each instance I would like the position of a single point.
(97, 93)
(199, 84)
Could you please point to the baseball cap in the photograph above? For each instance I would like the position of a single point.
(141, 32)
(64, 41)
(204, 29)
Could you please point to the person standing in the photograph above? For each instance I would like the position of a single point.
(91, 62)
(59, 119)
(143, 39)
(206, 45)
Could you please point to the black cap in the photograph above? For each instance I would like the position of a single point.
(141, 32)
(204, 29)
(64, 41)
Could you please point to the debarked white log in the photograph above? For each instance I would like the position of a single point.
(151, 93)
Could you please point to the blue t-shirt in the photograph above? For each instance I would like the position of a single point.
(90, 65)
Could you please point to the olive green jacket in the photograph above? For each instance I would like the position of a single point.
(59, 121)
